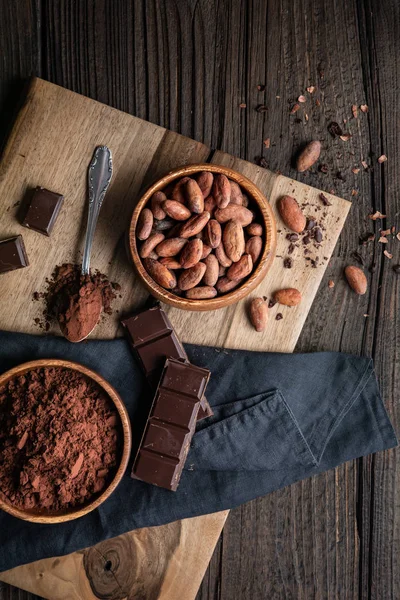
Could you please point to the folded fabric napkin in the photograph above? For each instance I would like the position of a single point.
(278, 418)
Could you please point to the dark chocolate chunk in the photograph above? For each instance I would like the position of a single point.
(171, 424)
(279, 316)
(310, 224)
(13, 254)
(153, 340)
(43, 210)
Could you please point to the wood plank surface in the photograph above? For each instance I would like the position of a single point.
(187, 66)
(43, 150)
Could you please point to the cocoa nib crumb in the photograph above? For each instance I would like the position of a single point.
(36, 296)
(323, 168)
(335, 129)
(271, 303)
(339, 175)
(306, 239)
(366, 237)
(260, 160)
(279, 316)
(318, 235)
(310, 224)
(324, 200)
(292, 237)
(291, 248)
(288, 263)
(261, 87)
(261, 108)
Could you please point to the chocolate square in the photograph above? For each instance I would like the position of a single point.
(13, 254)
(43, 210)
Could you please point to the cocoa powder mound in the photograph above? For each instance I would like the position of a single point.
(63, 290)
(60, 439)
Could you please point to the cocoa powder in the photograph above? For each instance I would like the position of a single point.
(60, 439)
(65, 287)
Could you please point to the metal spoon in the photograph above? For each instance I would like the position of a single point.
(99, 177)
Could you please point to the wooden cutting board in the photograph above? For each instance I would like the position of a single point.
(51, 145)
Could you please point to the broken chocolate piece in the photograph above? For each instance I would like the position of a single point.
(171, 424)
(153, 339)
(13, 254)
(43, 210)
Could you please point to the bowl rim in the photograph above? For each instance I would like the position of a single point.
(264, 262)
(71, 514)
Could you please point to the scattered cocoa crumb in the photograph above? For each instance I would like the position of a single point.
(331, 284)
(323, 168)
(387, 254)
(292, 237)
(261, 108)
(335, 129)
(294, 109)
(306, 239)
(291, 248)
(310, 224)
(267, 143)
(262, 162)
(36, 296)
(279, 316)
(324, 200)
(311, 89)
(354, 110)
(261, 87)
(339, 175)
(367, 237)
(396, 269)
(382, 158)
(364, 108)
(318, 235)
(301, 99)
(377, 215)
(288, 263)
(271, 303)
(357, 256)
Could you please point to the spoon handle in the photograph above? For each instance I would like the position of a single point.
(99, 177)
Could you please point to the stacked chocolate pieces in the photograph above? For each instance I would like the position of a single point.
(178, 403)
(171, 424)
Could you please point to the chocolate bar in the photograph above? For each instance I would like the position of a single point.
(12, 254)
(171, 424)
(153, 339)
(43, 210)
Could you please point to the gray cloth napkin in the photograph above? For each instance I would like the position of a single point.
(278, 418)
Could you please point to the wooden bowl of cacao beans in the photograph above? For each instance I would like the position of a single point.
(202, 237)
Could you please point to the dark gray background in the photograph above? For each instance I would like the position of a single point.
(187, 65)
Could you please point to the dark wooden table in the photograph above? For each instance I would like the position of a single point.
(188, 65)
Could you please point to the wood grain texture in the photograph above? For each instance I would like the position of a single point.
(187, 65)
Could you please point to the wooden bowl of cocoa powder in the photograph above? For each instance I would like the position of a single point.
(65, 441)
(169, 269)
